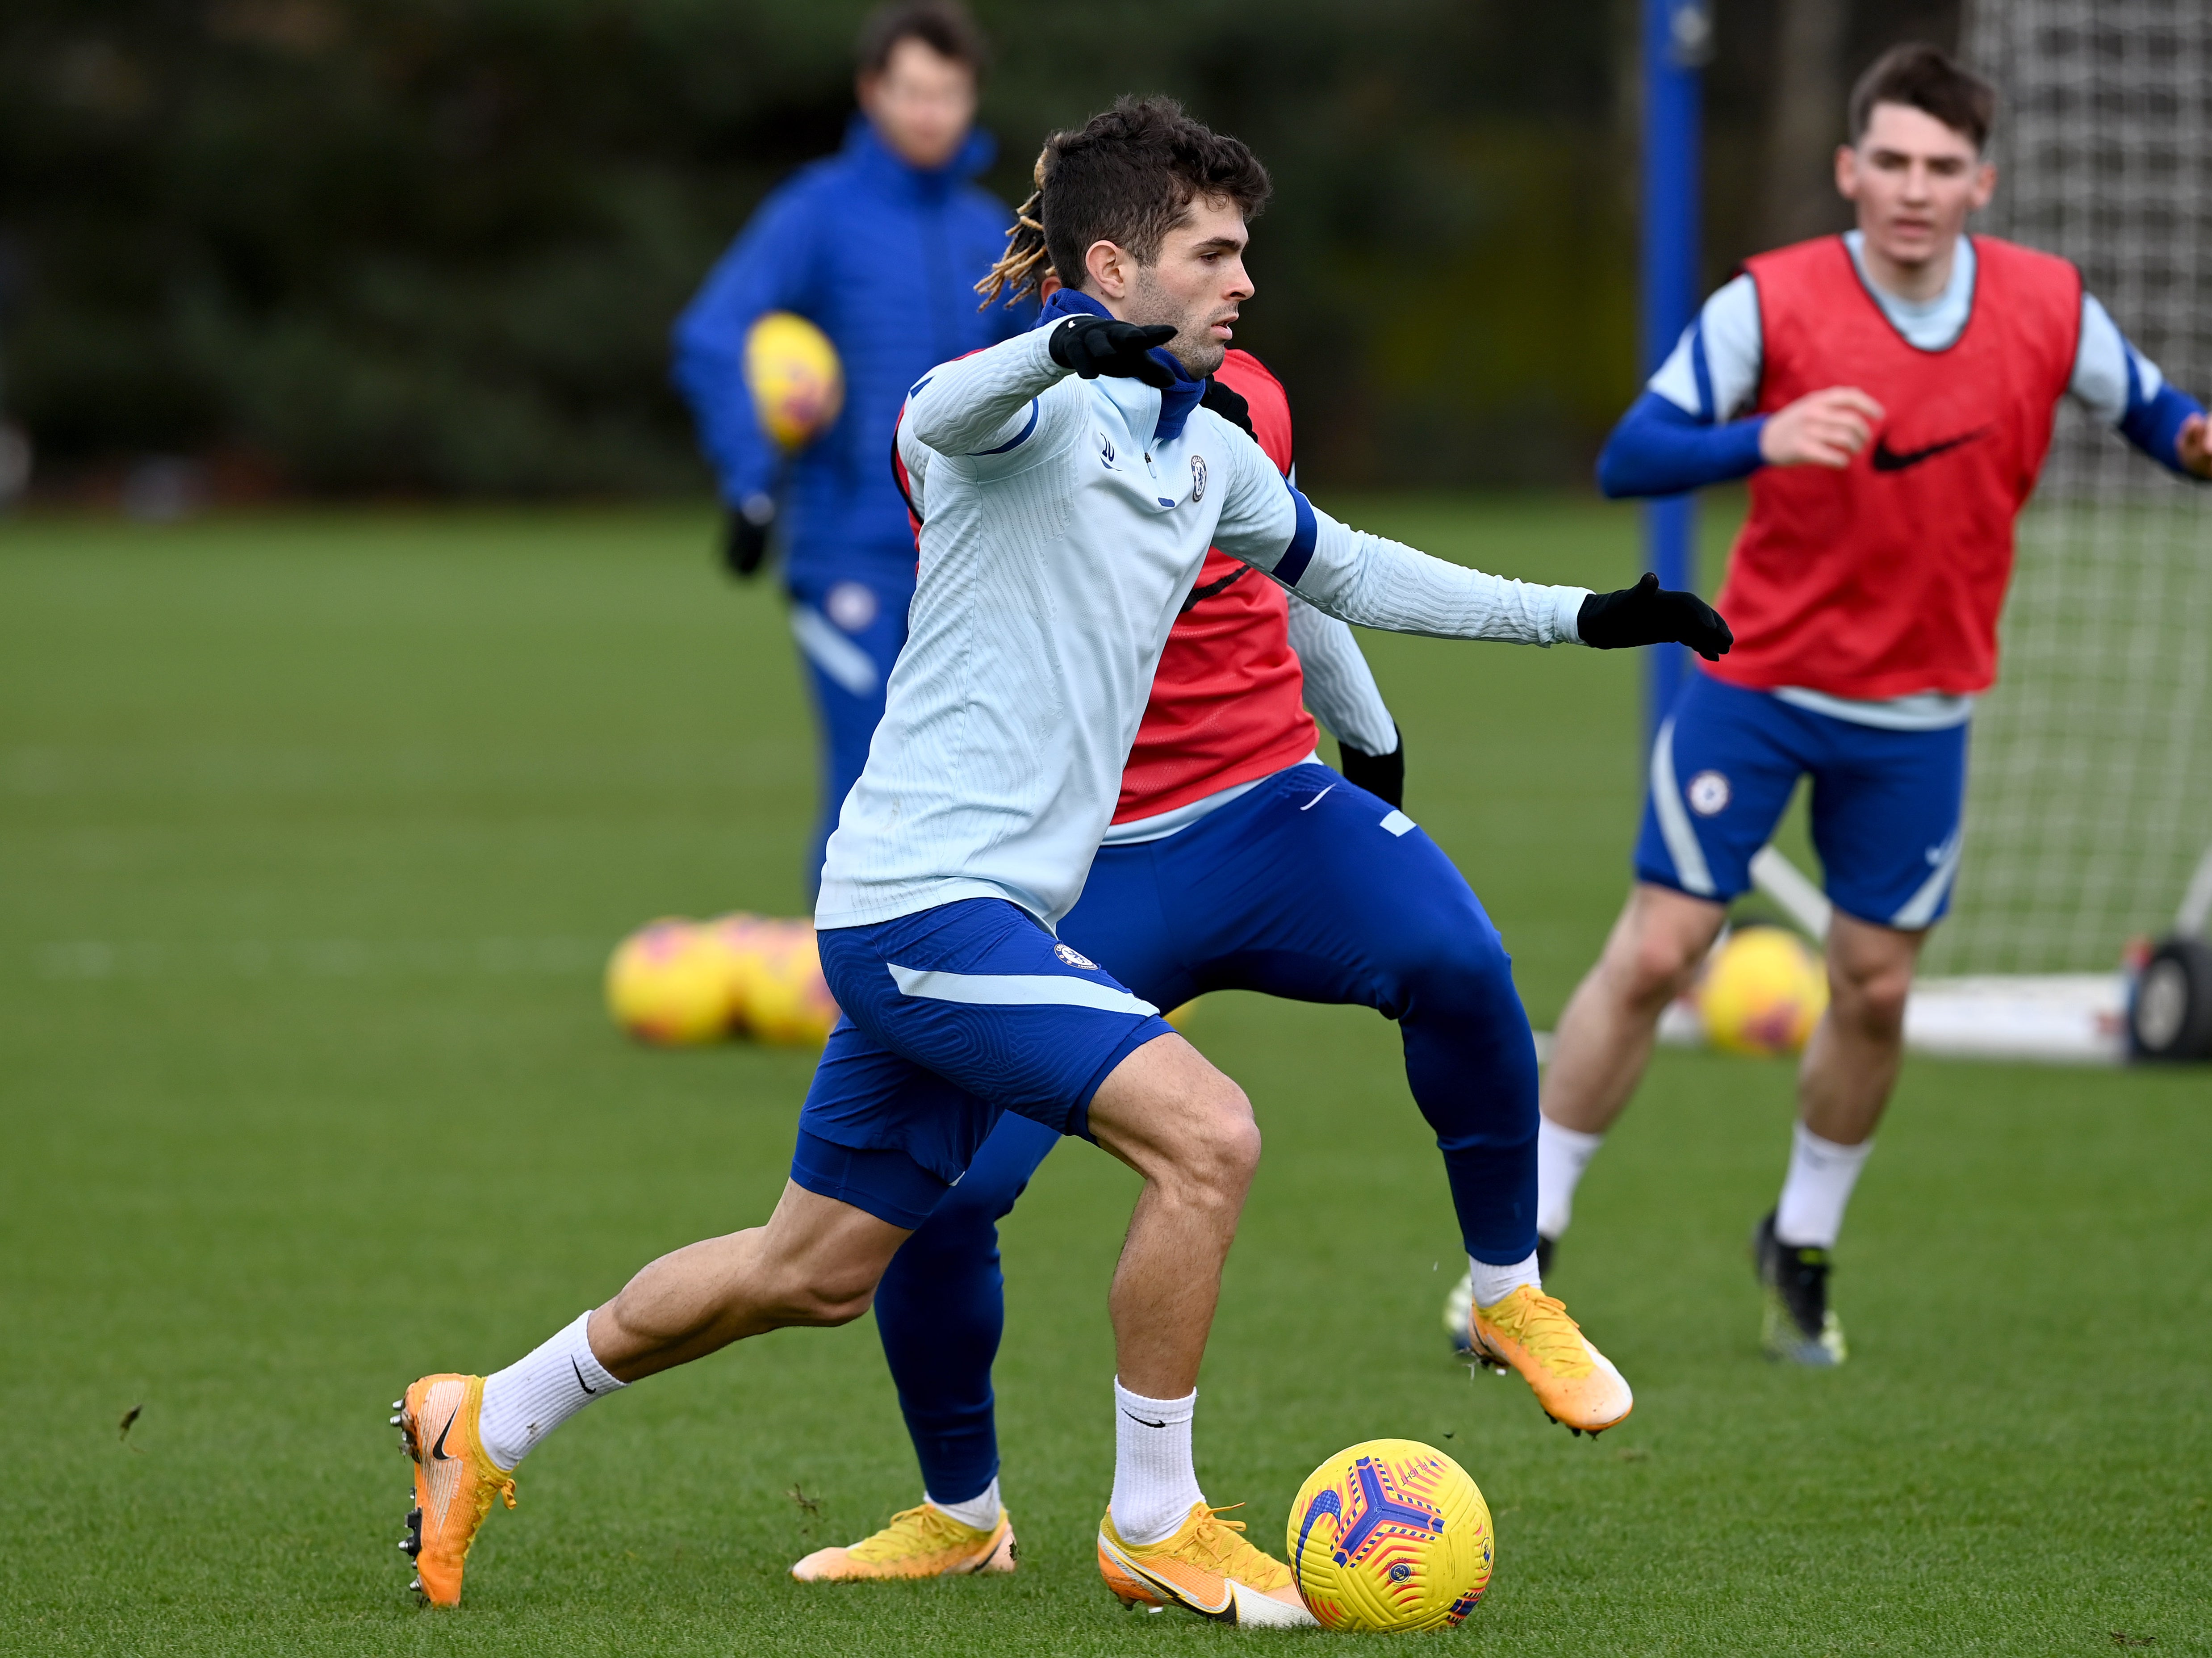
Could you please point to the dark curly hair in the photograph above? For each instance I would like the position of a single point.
(1129, 176)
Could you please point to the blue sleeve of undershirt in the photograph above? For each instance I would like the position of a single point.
(2154, 424)
(1662, 449)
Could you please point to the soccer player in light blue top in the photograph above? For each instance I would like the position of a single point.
(1069, 484)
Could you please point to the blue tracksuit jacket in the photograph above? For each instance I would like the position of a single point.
(883, 258)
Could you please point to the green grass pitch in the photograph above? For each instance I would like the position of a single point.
(314, 833)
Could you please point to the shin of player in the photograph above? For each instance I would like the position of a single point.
(1890, 394)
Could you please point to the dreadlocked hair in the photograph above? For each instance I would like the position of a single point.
(1021, 268)
(1128, 176)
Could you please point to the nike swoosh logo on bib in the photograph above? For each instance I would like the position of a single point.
(1887, 459)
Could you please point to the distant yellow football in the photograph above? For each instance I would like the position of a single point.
(667, 983)
(797, 382)
(1762, 993)
(787, 1001)
(740, 940)
(1390, 1536)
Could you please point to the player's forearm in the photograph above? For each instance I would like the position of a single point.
(2153, 426)
(981, 404)
(1376, 583)
(1341, 686)
(1659, 449)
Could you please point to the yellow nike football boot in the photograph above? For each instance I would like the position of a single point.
(1207, 1568)
(923, 1542)
(455, 1481)
(1530, 1332)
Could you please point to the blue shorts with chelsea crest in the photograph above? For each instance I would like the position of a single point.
(952, 1017)
(1885, 804)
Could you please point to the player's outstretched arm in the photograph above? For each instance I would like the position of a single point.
(987, 404)
(1377, 583)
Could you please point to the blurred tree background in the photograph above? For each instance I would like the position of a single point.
(363, 246)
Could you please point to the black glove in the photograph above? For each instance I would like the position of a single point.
(1648, 614)
(744, 535)
(1383, 775)
(1230, 407)
(1093, 346)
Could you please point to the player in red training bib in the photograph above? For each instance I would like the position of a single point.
(1890, 394)
(1236, 860)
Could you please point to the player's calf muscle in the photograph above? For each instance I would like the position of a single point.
(817, 1262)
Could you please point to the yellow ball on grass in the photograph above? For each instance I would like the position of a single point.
(1390, 1536)
(667, 984)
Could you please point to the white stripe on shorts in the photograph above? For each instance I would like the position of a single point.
(1919, 910)
(1014, 990)
(1675, 823)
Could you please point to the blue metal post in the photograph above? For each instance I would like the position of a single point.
(1677, 41)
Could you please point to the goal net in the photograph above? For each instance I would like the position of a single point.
(2091, 797)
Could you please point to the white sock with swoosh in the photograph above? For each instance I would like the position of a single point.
(538, 1392)
(1154, 1482)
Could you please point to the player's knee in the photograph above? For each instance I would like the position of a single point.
(1873, 997)
(815, 1288)
(825, 1296)
(1218, 1149)
(1464, 967)
(1656, 965)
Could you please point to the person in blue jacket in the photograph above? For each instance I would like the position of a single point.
(880, 245)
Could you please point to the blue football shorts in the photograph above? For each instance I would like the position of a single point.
(953, 1017)
(1885, 804)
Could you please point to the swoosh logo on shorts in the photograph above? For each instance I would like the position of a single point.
(1887, 459)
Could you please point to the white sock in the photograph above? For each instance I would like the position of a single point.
(978, 1513)
(538, 1392)
(1493, 1284)
(1562, 1154)
(1821, 1175)
(1154, 1484)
